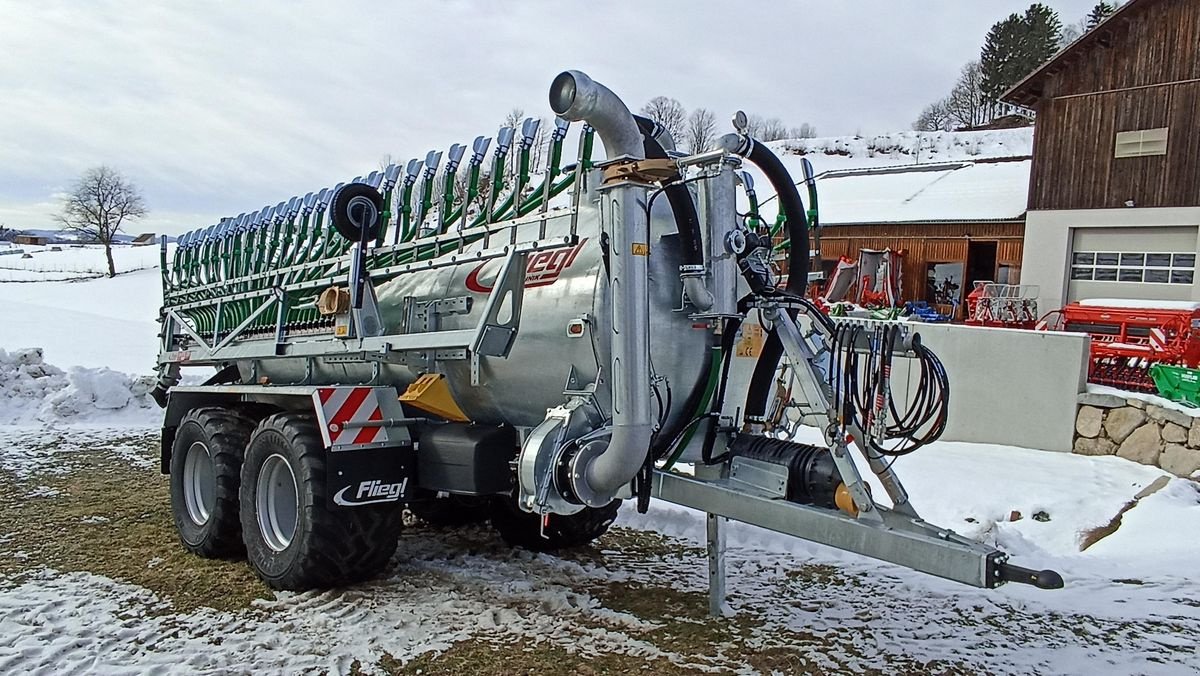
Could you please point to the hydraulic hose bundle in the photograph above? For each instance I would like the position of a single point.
(861, 384)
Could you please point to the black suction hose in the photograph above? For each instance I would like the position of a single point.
(687, 221)
(796, 223)
(793, 208)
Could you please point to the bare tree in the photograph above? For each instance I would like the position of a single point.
(701, 130)
(668, 112)
(967, 105)
(773, 129)
(765, 129)
(514, 117)
(805, 130)
(935, 117)
(98, 205)
(541, 141)
(1072, 32)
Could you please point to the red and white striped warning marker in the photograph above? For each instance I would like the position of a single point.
(1158, 340)
(347, 413)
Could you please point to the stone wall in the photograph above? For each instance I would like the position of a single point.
(1138, 431)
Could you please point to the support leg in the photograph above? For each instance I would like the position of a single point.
(716, 566)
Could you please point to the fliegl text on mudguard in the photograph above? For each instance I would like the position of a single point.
(369, 476)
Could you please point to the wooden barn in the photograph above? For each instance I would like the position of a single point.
(953, 222)
(1114, 196)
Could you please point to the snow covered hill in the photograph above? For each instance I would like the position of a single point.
(988, 174)
(908, 147)
(61, 262)
(98, 322)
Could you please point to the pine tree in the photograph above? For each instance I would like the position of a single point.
(1043, 30)
(999, 52)
(1099, 13)
(1016, 46)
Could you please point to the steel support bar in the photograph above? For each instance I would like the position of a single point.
(433, 340)
(476, 339)
(715, 532)
(897, 539)
(247, 321)
(178, 319)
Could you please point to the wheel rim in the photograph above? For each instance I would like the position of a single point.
(277, 502)
(199, 483)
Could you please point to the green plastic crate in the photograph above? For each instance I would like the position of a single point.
(1177, 383)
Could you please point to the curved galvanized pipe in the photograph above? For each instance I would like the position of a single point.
(597, 477)
(575, 96)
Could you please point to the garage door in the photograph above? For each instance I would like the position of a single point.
(1143, 263)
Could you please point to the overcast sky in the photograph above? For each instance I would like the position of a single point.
(218, 108)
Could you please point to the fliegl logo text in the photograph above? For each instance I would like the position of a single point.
(371, 492)
(543, 269)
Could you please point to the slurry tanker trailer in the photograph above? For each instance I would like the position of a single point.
(532, 349)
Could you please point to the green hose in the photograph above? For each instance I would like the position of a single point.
(714, 374)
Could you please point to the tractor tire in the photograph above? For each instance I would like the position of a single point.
(454, 511)
(206, 471)
(522, 529)
(293, 540)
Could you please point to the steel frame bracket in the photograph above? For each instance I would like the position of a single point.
(896, 538)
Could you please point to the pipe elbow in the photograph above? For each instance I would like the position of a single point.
(735, 143)
(577, 97)
(698, 293)
(616, 465)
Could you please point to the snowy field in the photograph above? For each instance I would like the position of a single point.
(61, 262)
(92, 580)
(92, 323)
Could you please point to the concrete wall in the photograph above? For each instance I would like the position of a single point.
(1046, 258)
(1007, 386)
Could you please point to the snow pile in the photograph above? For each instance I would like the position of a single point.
(33, 391)
(908, 146)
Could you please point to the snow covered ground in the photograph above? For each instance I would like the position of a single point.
(69, 261)
(636, 601)
(95, 323)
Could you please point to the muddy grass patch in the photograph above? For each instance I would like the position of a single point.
(480, 657)
(112, 518)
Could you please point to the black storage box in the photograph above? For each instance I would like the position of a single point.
(466, 459)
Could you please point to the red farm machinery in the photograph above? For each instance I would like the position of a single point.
(1128, 337)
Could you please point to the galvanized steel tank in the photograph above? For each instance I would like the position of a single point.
(564, 286)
